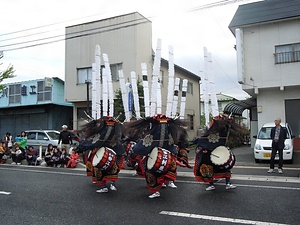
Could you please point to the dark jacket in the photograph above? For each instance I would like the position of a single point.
(65, 137)
(282, 137)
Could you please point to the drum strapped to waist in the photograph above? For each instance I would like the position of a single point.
(222, 157)
(89, 156)
(104, 158)
(159, 160)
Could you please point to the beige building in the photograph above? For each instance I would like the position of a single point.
(268, 53)
(127, 40)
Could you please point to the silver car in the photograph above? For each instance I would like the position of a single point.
(37, 138)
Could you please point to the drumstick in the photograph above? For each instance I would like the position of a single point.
(215, 155)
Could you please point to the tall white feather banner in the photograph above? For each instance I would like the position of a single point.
(105, 92)
(155, 74)
(135, 95)
(98, 80)
(124, 96)
(205, 89)
(110, 85)
(146, 89)
(94, 92)
(212, 88)
(158, 106)
(183, 98)
(175, 96)
(170, 82)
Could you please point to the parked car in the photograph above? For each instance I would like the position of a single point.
(36, 138)
(263, 144)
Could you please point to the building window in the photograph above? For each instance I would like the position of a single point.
(287, 53)
(189, 88)
(83, 75)
(15, 93)
(191, 122)
(114, 69)
(161, 78)
(43, 93)
(180, 84)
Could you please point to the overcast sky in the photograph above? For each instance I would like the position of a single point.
(187, 25)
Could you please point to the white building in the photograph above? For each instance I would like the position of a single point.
(268, 56)
(127, 40)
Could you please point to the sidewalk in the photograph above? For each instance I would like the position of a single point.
(245, 167)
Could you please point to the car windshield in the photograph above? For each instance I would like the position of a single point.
(53, 135)
(265, 133)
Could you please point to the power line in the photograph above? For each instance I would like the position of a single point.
(76, 36)
(206, 6)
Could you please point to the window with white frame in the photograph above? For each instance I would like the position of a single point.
(287, 53)
(43, 93)
(15, 93)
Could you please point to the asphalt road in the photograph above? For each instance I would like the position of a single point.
(39, 195)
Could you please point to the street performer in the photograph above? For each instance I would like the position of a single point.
(161, 134)
(213, 158)
(105, 152)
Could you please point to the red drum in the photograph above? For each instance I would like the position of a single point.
(222, 157)
(230, 162)
(159, 160)
(104, 158)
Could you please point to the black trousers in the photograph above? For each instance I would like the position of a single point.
(275, 149)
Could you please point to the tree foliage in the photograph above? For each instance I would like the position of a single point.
(118, 103)
(8, 73)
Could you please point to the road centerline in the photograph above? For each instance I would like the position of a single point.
(5, 193)
(217, 218)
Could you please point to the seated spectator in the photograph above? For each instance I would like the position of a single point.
(55, 157)
(7, 152)
(48, 155)
(17, 154)
(8, 140)
(22, 141)
(31, 156)
(2, 154)
(64, 158)
(73, 159)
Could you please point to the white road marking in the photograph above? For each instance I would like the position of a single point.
(5, 193)
(217, 218)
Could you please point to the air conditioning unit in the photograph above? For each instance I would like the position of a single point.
(48, 82)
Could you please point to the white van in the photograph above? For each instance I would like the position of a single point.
(263, 144)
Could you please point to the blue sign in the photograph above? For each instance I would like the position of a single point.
(130, 101)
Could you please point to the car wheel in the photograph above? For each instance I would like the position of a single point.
(290, 161)
(257, 160)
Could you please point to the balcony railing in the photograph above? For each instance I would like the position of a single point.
(287, 57)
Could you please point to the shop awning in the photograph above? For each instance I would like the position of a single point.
(238, 107)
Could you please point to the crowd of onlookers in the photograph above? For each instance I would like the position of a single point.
(17, 150)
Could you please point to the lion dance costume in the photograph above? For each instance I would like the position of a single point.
(158, 148)
(104, 152)
(213, 158)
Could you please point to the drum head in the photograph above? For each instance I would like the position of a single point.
(98, 156)
(220, 155)
(152, 158)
